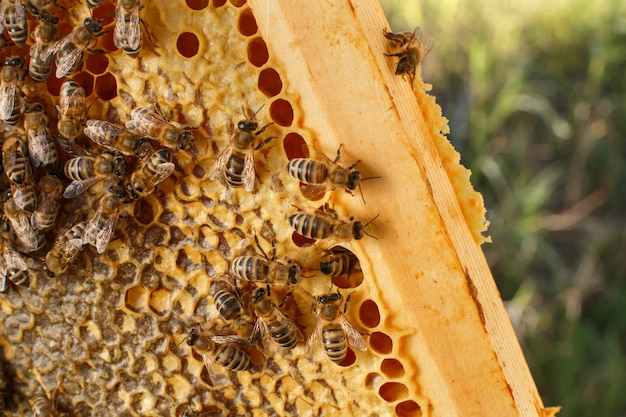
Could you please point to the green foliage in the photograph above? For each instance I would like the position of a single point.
(536, 96)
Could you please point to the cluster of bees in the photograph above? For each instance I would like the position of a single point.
(130, 161)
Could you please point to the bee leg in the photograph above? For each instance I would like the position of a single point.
(338, 157)
(265, 142)
(282, 303)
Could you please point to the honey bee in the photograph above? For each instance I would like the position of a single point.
(222, 350)
(101, 224)
(10, 93)
(14, 19)
(115, 138)
(150, 174)
(92, 4)
(327, 226)
(271, 323)
(12, 265)
(236, 162)
(47, 407)
(127, 32)
(414, 49)
(85, 171)
(333, 329)
(41, 148)
(14, 156)
(66, 249)
(71, 109)
(263, 270)
(149, 121)
(24, 196)
(229, 307)
(73, 46)
(28, 238)
(41, 56)
(50, 190)
(326, 173)
(338, 262)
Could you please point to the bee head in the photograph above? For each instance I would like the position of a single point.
(294, 274)
(357, 230)
(247, 125)
(94, 25)
(353, 181)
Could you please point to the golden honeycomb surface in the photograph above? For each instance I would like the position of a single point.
(110, 331)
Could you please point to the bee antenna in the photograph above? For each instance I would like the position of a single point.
(366, 224)
(181, 342)
(256, 112)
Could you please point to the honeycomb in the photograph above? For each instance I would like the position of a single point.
(110, 331)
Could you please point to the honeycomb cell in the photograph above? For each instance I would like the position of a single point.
(188, 44)
(106, 87)
(350, 280)
(369, 313)
(408, 409)
(104, 11)
(393, 391)
(159, 301)
(270, 83)
(96, 63)
(372, 380)
(302, 241)
(219, 3)
(237, 3)
(392, 368)
(143, 212)
(197, 4)
(106, 41)
(257, 52)
(281, 112)
(381, 343)
(349, 359)
(247, 23)
(295, 146)
(53, 84)
(86, 80)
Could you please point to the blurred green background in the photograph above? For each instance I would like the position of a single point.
(535, 92)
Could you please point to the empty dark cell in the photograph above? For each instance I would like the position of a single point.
(408, 409)
(85, 79)
(106, 42)
(372, 379)
(219, 3)
(144, 213)
(392, 368)
(238, 3)
(270, 83)
(393, 391)
(97, 63)
(369, 313)
(54, 84)
(281, 112)
(295, 146)
(352, 280)
(381, 343)
(197, 4)
(106, 86)
(349, 359)
(302, 241)
(257, 52)
(104, 11)
(247, 23)
(188, 44)
(198, 171)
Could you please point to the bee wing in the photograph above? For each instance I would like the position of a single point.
(285, 319)
(19, 13)
(163, 171)
(104, 235)
(218, 168)
(64, 67)
(3, 279)
(231, 339)
(8, 99)
(119, 31)
(355, 338)
(214, 377)
(315, 336)
(73, 247)
(76, 95)
(37, 142)
(13, 259)
(260, 330)
(247, 175)
(133, 30)
(45, 54)
(78, 187)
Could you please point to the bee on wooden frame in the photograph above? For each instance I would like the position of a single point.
(327, 225)
(333, 329)
(325, 174)
(235, 164)
(413, 48)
